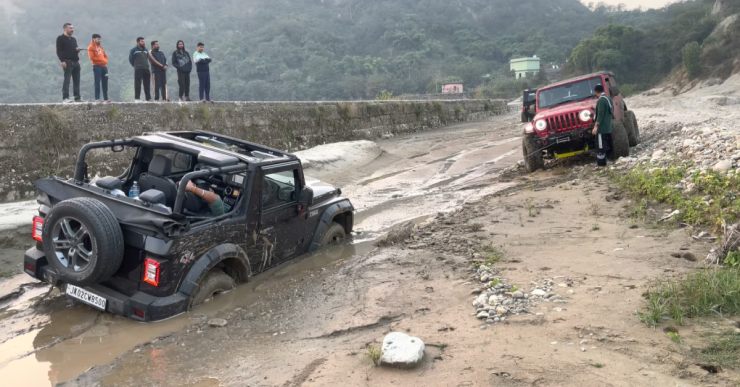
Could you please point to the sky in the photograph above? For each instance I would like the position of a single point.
(631, 4)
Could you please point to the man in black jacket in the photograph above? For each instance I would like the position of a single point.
(69, 59)
(202, 67)
(139, 59)
(184, 65)
(159, 69)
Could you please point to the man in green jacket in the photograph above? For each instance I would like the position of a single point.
(602, 125)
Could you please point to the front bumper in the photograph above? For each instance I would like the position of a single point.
(139, 306)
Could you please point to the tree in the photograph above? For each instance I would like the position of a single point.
(692, 59)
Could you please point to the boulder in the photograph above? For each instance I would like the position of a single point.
(401, 350)
(723, 166)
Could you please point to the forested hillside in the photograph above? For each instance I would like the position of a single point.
(347, 49)
(294, 49)
(644, 47)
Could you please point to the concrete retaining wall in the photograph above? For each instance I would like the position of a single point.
(42, 140)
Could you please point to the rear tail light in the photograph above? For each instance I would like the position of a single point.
(151, 272)
(138, 313)
(38, 228)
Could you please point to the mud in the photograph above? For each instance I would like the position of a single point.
(53, 339)
(440, 196)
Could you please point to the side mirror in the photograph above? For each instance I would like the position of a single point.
(305, 198)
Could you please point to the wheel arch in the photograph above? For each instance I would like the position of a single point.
(229, 257)
(341, 212)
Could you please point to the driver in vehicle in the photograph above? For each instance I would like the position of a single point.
(215, 203)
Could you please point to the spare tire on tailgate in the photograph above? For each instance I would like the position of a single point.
(83, 241)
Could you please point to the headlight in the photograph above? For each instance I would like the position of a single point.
(529, 128)
(585, 115)
(540, 125)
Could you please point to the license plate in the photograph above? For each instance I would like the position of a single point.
(562, 140)
(85, 296)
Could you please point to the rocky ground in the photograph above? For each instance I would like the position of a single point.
(508, 278)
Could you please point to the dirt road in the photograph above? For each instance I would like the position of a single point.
(311, 321)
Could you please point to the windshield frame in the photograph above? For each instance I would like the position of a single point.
(589, 83)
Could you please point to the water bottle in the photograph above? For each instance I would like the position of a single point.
(134, 191)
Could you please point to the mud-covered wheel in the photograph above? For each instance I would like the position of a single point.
(633, 131)
(334, 235)
(215, 282)
(83, 241)
(620, 142)
(532, 154)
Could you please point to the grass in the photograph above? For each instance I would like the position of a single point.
(674, 336)
(374, 352)
(733, 259)
(475, 227)
(597, 365)
(491, 255)
(703, 293)
(723, 350)
(532, 210)
(714, 197)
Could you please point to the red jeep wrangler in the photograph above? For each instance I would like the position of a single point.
(563, 119)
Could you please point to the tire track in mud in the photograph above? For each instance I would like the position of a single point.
(379, 190)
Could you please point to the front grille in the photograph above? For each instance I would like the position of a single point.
(564, 122)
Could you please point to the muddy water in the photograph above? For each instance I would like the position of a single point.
(46, 339)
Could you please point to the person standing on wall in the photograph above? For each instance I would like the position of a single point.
(184, 65)
(159, 69)
(202, 61)
(603, 125)
(139, 59)
(69, 58)
(99, 59)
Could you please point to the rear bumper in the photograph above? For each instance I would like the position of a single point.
(139, 306)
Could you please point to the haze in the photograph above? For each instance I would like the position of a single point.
(632, 4)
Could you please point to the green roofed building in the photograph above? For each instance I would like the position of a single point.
(525, 67)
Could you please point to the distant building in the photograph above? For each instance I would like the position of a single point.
(452, 88)
(525, 67)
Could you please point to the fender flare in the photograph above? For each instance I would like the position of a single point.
(209, 260)
(326, 220)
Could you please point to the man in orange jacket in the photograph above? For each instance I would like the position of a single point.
(99, 60)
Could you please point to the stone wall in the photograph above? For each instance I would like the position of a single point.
(42, 140)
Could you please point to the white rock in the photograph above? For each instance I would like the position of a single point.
(688, 143)
(401, 350)
(657, 154)
(482, 315)
(217, 322)
(539, 292)
(480, 300)
(723, 166)
(494, 299)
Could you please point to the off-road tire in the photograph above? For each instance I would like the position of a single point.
(215, 282)
(620, 141)
(532, 156)
(633, 130)
(334, 235)
(104, 240)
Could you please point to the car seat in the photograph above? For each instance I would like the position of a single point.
(157, 178)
